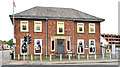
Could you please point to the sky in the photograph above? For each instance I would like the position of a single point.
(106, 9)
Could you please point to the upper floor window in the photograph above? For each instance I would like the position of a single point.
(80, 27)
(37, 26)
(91, 27)
(24, 26)
(60, 27)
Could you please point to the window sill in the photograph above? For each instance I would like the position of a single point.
(80, 32)
(24, 31)
(91, 32)
(38, 31)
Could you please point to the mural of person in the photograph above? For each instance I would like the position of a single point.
(24, 47)
(24, 27)
(38, 47)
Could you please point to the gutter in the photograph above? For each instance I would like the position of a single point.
(57, 18)
(46, 39)
(73, 35)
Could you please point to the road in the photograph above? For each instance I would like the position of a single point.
(5, 56)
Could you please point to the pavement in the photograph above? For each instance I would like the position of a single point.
(35, 62)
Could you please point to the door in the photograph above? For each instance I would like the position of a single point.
(60, 47)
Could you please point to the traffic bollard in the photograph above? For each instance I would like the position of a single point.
(31, 57)
(50, 57)
(69, 57)
(87, 56)
(18, 57)
(60, 57)
(40, 57)
(95, 56)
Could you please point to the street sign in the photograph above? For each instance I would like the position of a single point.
(14, 42)
(14, 45)
(26, 53)
(113, 49)
(101, 42)
(86, 46)
(108, 51)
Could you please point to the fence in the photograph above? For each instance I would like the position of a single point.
(62, 57)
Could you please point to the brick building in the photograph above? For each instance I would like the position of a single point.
(1, 44)
(111, 39)
(57, 30)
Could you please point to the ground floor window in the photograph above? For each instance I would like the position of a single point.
(92, 46)
(38, 46)
(80, 46)
(23, 47)
(52, 44)
(68, 44)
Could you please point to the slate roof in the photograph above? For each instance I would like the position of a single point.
(56, 13)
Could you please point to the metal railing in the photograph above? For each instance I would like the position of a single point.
(62, 57)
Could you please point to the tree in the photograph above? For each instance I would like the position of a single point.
(10, 42)
(5, 42)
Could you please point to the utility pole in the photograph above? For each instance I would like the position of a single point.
(27, 47)
(13, 29)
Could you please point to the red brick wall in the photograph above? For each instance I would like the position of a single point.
(34, 35)
(52, 31)
(86, 36)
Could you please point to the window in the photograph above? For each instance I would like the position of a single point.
(24, 26)
(38, 46)
(60, 27)
(80, 27)
(68, 44)
(80, 46)
(92, 46)
(37, 26)
(52, 44)
(91, 27)
(23, 47)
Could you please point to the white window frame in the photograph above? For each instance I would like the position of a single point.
(94, 27)
(78, 29)
(51, 44)
(34, 46)
(57, 27)
(21, 27)
(40, 26)
(21, 46)
(69, 44)
(92, 46)
(78, 44)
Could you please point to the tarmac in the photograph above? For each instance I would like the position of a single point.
(37, 62)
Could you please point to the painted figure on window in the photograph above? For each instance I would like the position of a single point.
(92, 29)
(38, 27)
(24, 27)
(92, 42)
(60, 29)
(80, 28)
(24, 47)
(80, 43)
(80, 49)
(92, 49)
(38, 47)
